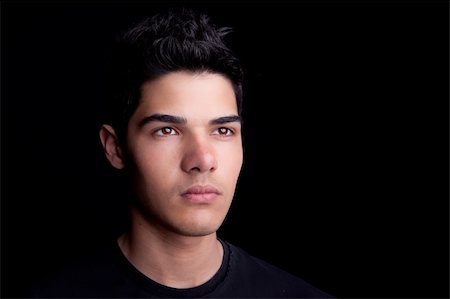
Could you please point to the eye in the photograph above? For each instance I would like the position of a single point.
(223, 131)
(165, 131)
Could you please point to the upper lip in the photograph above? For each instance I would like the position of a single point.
(199, 189)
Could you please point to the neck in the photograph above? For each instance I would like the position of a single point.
(171, 259)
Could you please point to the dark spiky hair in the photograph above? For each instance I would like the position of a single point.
(167, 42)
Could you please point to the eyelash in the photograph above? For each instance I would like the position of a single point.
(229, 131)
(160, 132)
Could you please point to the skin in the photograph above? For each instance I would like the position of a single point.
(185, 132)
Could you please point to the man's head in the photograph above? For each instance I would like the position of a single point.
(176, 122)
(165, 43)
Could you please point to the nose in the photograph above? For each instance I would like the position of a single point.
(199, 156)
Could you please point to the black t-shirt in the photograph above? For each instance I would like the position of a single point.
(111, 275)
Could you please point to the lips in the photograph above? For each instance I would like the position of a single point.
(201, 194)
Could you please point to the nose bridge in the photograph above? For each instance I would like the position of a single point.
(199, 154)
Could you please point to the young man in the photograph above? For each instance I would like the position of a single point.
(175, 128)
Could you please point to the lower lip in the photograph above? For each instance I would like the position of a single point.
(200, 198)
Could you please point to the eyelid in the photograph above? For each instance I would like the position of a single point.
(158, 131)
(231, 131)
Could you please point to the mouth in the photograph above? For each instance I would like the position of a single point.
(201, 194)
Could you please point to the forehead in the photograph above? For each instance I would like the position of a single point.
(186, 93)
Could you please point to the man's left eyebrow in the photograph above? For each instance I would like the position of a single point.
(225, 119)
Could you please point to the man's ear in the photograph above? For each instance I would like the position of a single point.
(111, 146)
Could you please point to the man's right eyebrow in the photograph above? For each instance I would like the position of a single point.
(165, 118)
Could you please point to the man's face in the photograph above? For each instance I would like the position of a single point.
(185, 142)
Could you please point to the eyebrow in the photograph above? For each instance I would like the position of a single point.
(226, 119)
(166, 118)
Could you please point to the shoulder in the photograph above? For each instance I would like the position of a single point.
(95, 275)
(268, 279)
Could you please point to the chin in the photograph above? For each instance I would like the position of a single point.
(195, 231)
(198, 228)
(198, 224)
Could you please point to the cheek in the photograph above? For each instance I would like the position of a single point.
(231, 161)
(155, 165)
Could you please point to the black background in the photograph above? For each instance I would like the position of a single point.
(345, 181)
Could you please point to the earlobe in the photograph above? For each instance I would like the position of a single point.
(111, 146)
